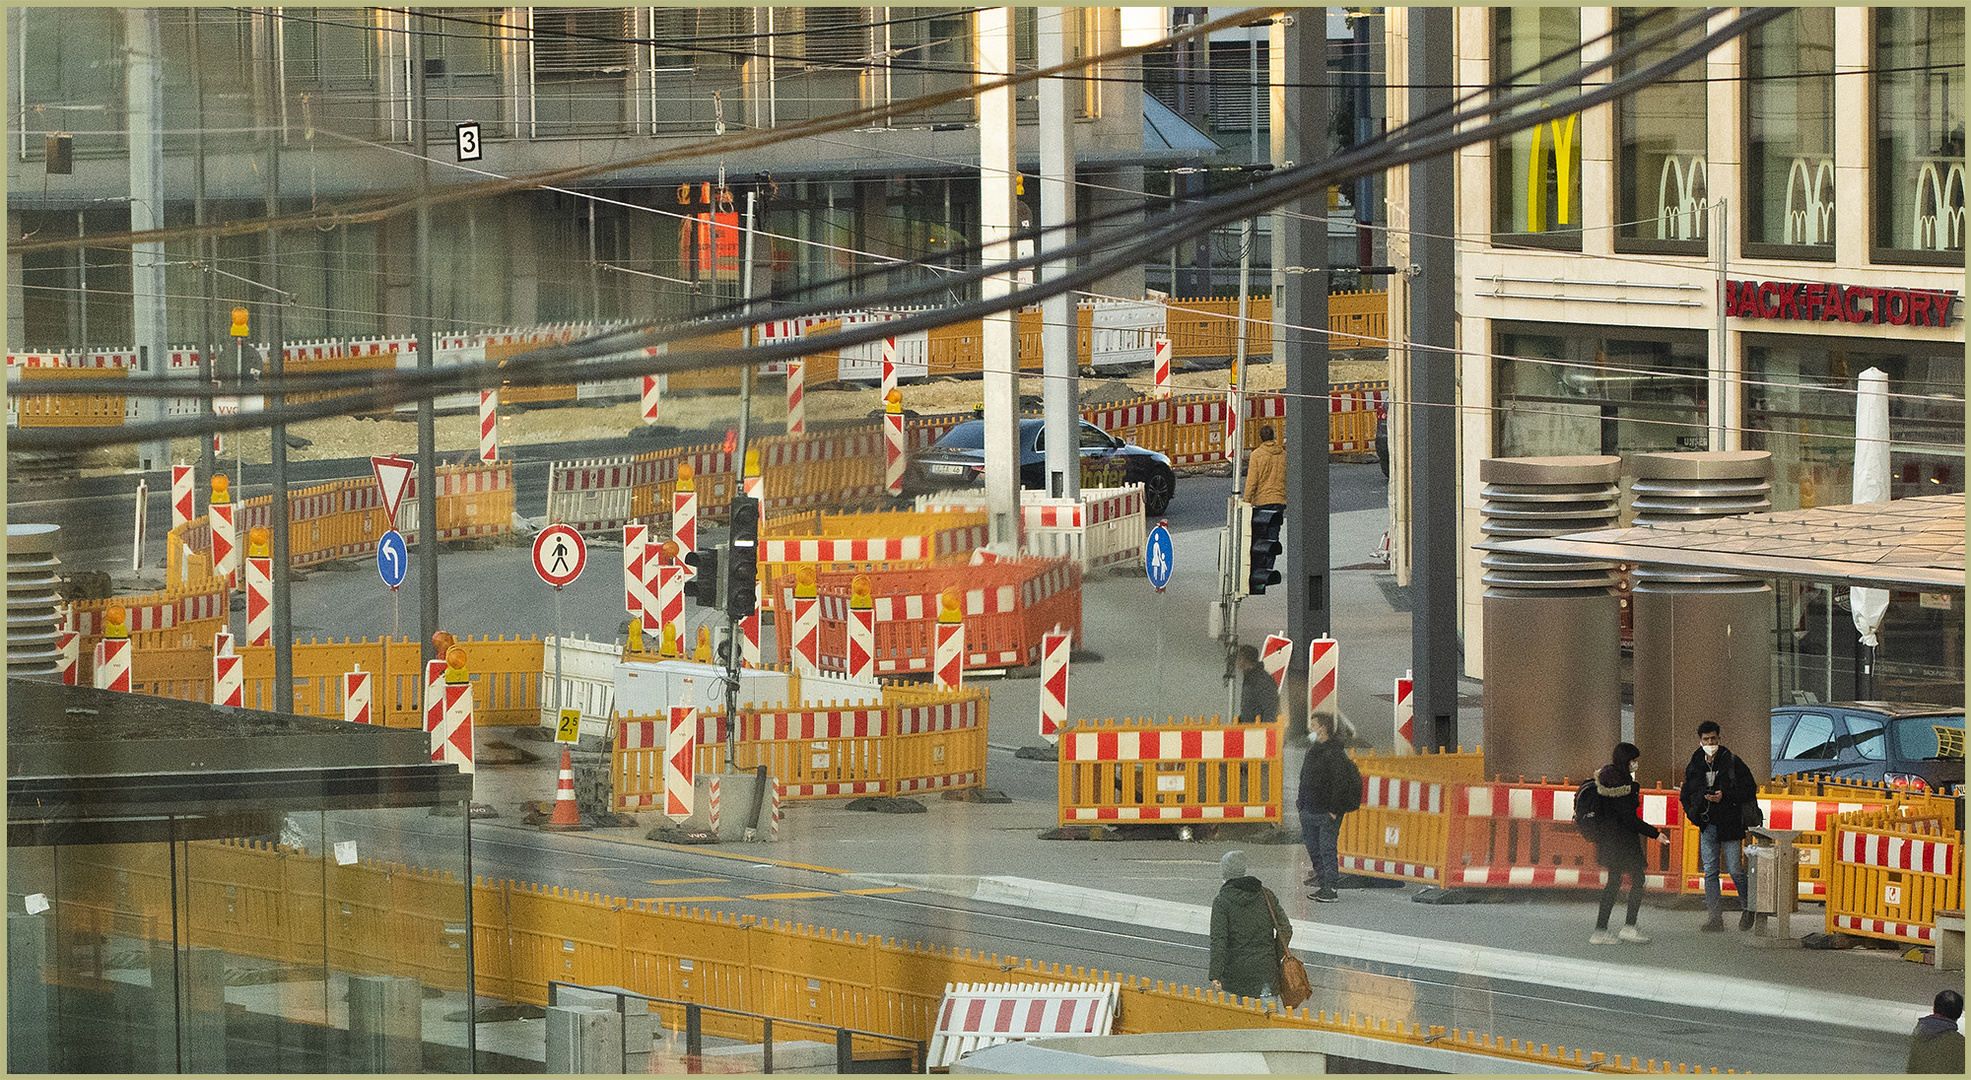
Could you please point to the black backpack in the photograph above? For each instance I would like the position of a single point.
(1590, 811)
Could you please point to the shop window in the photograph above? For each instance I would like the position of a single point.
(1662, 175)
(1536, 173)
(1560, 392)
(1918, 165)
(1789, 136)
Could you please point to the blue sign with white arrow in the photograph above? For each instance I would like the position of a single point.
(392, 560)
(1157, 556)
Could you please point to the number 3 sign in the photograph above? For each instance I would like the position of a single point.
(469, 149)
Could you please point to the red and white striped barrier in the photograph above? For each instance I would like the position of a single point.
(1406, 715)
(452, 741)
(1323, 670)
(976, 1016)
(862, 644)
(1234, 409)
(893, 453)
(228, 677)
(259, 600)
(181, 495)
(670, 604)
(684, 526)
(1249, 743)
(807, 635)
(652, 398)
(1274, 656)
(1054, 648)
(797, 411)
(948, 662)
(1918, 853)
(636, 591)
(1160, 364)
(356, 696)
(680, 763)
(868, 549)
(112, 656)
(712, 805)
(71, 656)
(225, 543)
(434, 701)
(778, 792)
(489, 426)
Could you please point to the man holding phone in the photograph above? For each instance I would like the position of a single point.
(1717, 791)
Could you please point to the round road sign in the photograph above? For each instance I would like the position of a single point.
(392, 560)
(1157, 552)
(559, 554)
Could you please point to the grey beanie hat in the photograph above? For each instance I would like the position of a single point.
(1233, 865)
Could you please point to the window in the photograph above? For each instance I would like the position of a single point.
(1587, 393)
(835, 35)
(581, 42)
(1662, 179)
(1813, 739)
(1920, 738)
(1918, 167)
(1094, 438)
(464, 41)
(1536, 173)
(1789, 136)
(1865, 736)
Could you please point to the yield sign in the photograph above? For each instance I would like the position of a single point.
(393, 474)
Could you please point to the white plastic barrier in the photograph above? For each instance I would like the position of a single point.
(1104, 529)
(1123, 333)
(588, 683)
(865, 361)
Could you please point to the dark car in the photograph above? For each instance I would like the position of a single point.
(1382, 439)
(1906, 745)
(958, 460)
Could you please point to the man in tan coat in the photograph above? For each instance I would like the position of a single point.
(1266, 473)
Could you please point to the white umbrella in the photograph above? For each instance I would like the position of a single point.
(1871, 485)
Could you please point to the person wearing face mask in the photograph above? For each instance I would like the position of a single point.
(1717, 788)
(1618, 847)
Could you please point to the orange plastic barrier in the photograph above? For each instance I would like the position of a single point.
(868, 541)
(1891, 875)
(1008, 605)
(1189, 770)
(70, 410)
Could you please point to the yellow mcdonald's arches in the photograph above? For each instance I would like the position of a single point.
(1536, 175)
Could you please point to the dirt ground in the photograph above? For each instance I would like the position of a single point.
(458, 433)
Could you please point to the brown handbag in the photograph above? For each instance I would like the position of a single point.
(1292, 985)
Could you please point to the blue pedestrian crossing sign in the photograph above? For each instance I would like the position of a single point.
(392, 560)
(1157, 556)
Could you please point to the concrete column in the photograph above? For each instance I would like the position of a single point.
(144, 87)
(16, 318)
(1061, 391)
(33, 597)
(1300, 325)
(29, 1035)
(994, 30)
(584, 1040)
(386, 1024)
(1553, 650)
(1703, 641)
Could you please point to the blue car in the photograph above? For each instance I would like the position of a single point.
(1898, 743)
(958, 460)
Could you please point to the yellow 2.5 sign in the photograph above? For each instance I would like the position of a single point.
(570, 728)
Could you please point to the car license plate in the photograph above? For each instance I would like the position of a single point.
(947, 470)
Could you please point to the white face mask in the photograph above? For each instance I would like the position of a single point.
(1709, 750)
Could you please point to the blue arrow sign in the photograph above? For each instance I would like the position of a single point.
(392, 561)
(1157, 557)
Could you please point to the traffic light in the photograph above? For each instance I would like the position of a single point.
(703, 589)
(1261, 529)
(743, 570)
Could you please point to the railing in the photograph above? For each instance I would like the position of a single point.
(690, 1022)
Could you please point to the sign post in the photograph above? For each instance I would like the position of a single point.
(1158, 559)
(559, 554)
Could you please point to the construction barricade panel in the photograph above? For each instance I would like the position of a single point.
(1889, 875)
(1179, 771)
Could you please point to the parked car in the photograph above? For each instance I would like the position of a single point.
(1382, 439)
(958, 460)
(1906, 745)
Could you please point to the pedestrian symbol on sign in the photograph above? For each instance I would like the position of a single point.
(1157, 556)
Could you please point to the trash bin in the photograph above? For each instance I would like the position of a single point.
(1774, 867)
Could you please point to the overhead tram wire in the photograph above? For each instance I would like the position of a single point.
(1435, 134)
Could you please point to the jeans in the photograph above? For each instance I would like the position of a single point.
(1708, 849)
(1321, 831)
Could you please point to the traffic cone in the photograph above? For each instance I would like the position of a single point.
(566, 817)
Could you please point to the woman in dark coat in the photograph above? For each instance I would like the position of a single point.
(1245, 951)
(1618, 846)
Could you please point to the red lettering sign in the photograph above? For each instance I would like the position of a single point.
(1829, 302)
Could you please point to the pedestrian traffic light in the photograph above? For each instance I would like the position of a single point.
(743, 565)
(703, 589)
(1261, 530)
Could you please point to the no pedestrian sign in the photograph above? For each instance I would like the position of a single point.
(559, 554)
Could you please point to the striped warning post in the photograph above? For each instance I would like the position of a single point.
(680, 763)
(635, 588)
(652, 398)
(452, 742)
(807, 635)
(1235, 408)
(259, 600)
(753, 486)
(684, 524)
(71, 656)
(1406, 715)
(489, 426)
(1160, 364)
(670, 602)
(228, 679)
(1054, 684)
(653, 570)
(797, 411)
(948, 662)
(1274, 655)
(181, 495)
(225, 549)
(434, 699)
(712, 805)
(862, 643)
(356, 696)
(1323, 667)
(893, 450)
(112, 656)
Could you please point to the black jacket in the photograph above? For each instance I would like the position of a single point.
(1259, 699)
(1329, 782)
(1734, 779)
(1617, 845)
(1245, 952)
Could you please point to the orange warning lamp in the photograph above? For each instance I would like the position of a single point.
(114, 624)
(239, 322)
(948, 606)
(256, 543)
(753, 461)
(684, 477)
(703, 654)
(893, 404)
(221, 492)
(859, 593)
(669, 549)
(442, 641)
(804, 582)
(455, 666)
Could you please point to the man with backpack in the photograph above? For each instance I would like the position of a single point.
(1330, 789)
(1720, 797)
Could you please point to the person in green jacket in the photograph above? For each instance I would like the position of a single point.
(1245, 950)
